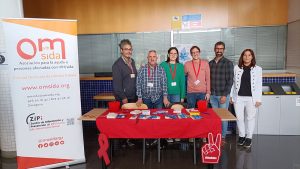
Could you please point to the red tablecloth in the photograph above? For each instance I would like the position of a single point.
(160, 128)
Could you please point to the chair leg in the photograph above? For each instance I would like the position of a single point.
(144, 149)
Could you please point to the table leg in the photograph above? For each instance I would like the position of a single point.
(195, 157)
(144, 149)
(111, 148)
(158, 150)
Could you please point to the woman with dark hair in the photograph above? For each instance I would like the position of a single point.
(175, 76)
(246, 94)
(198, 78)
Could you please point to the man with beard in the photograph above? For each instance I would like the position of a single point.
(221, 76)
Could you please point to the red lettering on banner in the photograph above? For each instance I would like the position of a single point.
(23, 54)
(51, 42)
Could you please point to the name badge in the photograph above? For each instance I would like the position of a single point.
(150, 84)
(132, 75)
(173, 84)
(197, 82)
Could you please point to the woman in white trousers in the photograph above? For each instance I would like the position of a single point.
(246, 94)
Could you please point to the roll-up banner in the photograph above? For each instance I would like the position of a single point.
(43, 63)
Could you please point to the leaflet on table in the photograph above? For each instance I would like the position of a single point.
(136, 112)
(144, 117)
(177, 111)
(183, 116)
(133, 117)
(146, 112)
(162, 112)
(121, 116)
(193, 111)
(171, 116)
(112, 115)
(195, 117)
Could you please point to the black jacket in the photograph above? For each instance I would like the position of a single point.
(123, 85)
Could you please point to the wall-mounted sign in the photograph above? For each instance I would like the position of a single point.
(191, 21)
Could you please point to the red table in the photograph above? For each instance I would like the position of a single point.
(159, 128)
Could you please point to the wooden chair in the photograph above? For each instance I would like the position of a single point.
(177, 107)
(133, 106)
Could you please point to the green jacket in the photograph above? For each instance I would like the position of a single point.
(179, 79)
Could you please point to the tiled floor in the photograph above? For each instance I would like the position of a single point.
(267, 152)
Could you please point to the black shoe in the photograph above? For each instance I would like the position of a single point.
(248, 143)
(241, 141)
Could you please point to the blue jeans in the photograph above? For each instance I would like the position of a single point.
(156, 105)
(174, 98)
(192, 98)
(215, 103)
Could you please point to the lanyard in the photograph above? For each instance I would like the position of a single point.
(149, 72)
(128, 63)
(196, 74)
(173, 73)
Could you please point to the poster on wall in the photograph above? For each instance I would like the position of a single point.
(184, 52)
(193, 21)
(44, 74)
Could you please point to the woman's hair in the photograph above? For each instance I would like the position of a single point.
(193, 47)
(173, 48)
(253, 61)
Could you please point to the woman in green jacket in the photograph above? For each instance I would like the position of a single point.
(175, 76)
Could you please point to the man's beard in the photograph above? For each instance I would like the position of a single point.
(219, 54)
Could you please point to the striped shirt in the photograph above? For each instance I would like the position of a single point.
(151, 83)
(221, 77)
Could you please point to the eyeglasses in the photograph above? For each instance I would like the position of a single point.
(127, 49)
(196, 52)
(219, 48)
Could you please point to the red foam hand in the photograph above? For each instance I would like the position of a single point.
(211, 150)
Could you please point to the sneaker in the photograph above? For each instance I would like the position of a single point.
(241, 141)
(177, 139)
(129, 143)
(248, 143)
(169, 140)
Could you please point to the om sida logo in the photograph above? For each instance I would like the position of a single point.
(49, 49)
